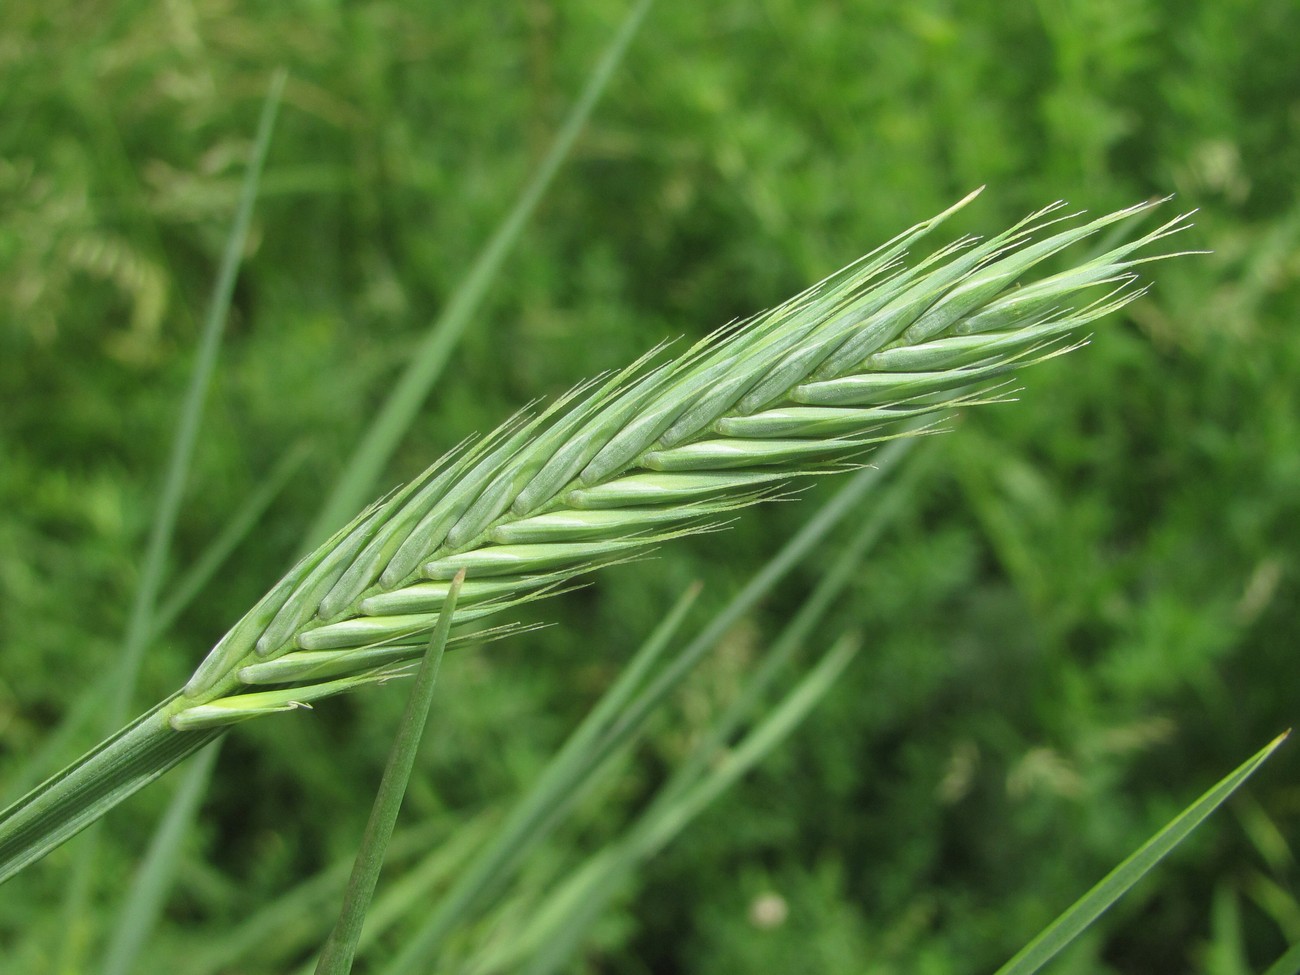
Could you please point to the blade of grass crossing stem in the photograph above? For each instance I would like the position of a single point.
(415, 886)
(562, 920)
(787, 716)
(1288, 964)
(537, 813)
(1116, 883)
(613, 867)
(235, 531)
(765, 580)
(140, 623)
(341, 945)
(630, 679)
(830, 585)
(53, 750)
(1225, 948)
(372, 454)
(631, 713)
(604, 875)
(147, 896)
(148, 893)
(291, 925)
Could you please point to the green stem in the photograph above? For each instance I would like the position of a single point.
(340, 949)
(113, 770)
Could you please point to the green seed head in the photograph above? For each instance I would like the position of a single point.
(656, 450)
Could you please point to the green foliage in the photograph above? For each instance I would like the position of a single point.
(1085, 613)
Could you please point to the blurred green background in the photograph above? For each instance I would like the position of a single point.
(1085, 616)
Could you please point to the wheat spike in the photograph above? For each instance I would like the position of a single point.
(664, 448)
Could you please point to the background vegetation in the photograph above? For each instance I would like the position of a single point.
(1084, 616)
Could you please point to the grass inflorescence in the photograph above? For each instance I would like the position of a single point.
(668, 446)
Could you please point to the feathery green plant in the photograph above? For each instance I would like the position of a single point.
(616, 467)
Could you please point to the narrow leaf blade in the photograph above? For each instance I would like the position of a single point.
(341, 945)
(1114, 885)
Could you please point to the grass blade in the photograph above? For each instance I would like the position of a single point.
(70, 801)
(143, 610)
(767, 578)
(829, 587)
(559, 931)
(580, 904)
(531, 820)
(296, 922)
(341, 945)
(141, 622)
(411, 891)
(1288, 964)
(148, 893)
(235, 531)
(785, 717)
(368, 460)
(1116, 883)
(593, 744)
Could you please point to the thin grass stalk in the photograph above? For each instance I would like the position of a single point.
(621, 714)
(830, 585)
(411, 891)
(402, 406)
(340, 948)
(530, 821)
(143, 609)
(220, 548)
(295, 921)
(579, 902)
(777, 725)
(574, 907)
(141, 622)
